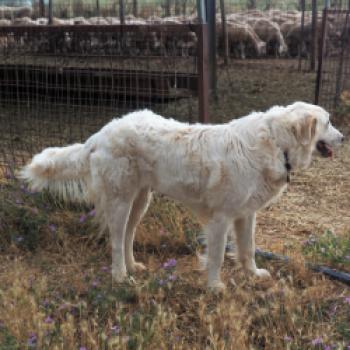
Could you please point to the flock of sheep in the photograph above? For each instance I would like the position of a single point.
(250, 33)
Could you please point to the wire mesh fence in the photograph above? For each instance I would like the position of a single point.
(59, 84)
(333, 89)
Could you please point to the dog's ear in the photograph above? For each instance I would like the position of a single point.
(304, 129)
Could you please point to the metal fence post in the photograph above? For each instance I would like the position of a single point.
(224, 31)
(122, 11)
(301, 42)
(50, 12)
(211, 17)
(320, 53)
(98, 7)
(314, 36)
(135, 8)
(203, 83)
(41, 8)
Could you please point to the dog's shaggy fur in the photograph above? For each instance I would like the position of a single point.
(225, 173)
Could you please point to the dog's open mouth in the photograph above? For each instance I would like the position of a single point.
(324, 148)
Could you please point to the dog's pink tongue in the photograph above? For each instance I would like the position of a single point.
(329, 151)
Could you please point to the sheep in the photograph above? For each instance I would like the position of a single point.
(42, 21)
(181, 42)
(7, 12)
(270, 33)
(242, 40)
(5, 22)
(97, 20)
(24, 21)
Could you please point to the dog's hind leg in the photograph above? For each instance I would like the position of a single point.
(216, 231)
(118, 211)
(245, 238)
(139, 208)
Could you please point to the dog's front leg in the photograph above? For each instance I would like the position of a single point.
(216, 231)
(117, 216)
(245, 238)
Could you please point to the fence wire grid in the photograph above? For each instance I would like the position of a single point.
(59, 85)
(334, 75)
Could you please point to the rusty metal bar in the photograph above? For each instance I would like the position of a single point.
(184, 28)
(203, 82)
(320, 55)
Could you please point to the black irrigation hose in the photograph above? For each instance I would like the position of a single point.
(341, 276)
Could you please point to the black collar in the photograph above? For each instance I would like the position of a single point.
(287, 165)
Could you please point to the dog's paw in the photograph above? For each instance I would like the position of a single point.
(216, 286)
(136, 266)
(119, 276)
(262, 273)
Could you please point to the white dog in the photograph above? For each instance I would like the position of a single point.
(225, 173)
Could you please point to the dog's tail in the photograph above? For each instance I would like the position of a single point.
(61, 170)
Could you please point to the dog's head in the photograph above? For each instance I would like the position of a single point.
(310, 131)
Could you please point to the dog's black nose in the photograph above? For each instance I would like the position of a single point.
(342, 139)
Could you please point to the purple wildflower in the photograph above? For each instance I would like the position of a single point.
(115, 329)
(317, 341)
(92, 212)
(82, 348)
(161, 282)
(82, 218)
(288, 338)
(19, 239)
(18, 201)
(169, 263)
(105, 268)
(32, 340)
(347, 300)
(46, 303)
(327, 347)
(172, 277)
(95, 283)
(347, 257)
(52, 228)
(48, 319)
